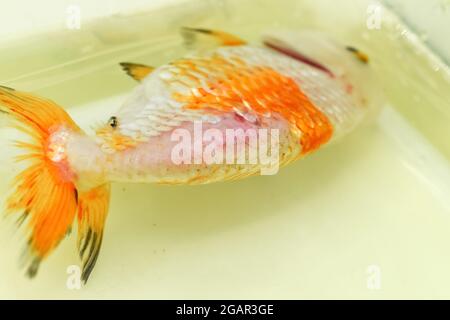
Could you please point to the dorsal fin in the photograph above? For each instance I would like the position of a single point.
(136, 71)
(219, 38)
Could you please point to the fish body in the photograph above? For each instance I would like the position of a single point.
(231, 87)
(218, 114)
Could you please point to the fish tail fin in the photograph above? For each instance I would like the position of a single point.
(44, 193)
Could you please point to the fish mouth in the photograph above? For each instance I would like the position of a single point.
(283, 48)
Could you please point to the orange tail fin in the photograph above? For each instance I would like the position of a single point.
(45, 195)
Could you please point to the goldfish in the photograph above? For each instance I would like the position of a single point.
(292, 93)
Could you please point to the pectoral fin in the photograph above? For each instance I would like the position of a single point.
(136, 71)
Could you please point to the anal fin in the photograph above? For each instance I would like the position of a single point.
(92, 212)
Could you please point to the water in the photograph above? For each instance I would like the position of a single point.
(379, 200)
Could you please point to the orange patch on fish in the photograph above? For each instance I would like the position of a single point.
(115, 140)
(240, 88)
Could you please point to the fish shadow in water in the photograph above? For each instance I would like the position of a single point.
(152, 213)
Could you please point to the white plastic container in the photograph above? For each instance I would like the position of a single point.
(366, 218)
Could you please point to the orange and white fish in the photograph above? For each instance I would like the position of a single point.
(309, 88)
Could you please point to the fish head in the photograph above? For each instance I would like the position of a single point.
(342, 61)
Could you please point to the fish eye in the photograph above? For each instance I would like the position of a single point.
(360, 55)
(112, 122)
